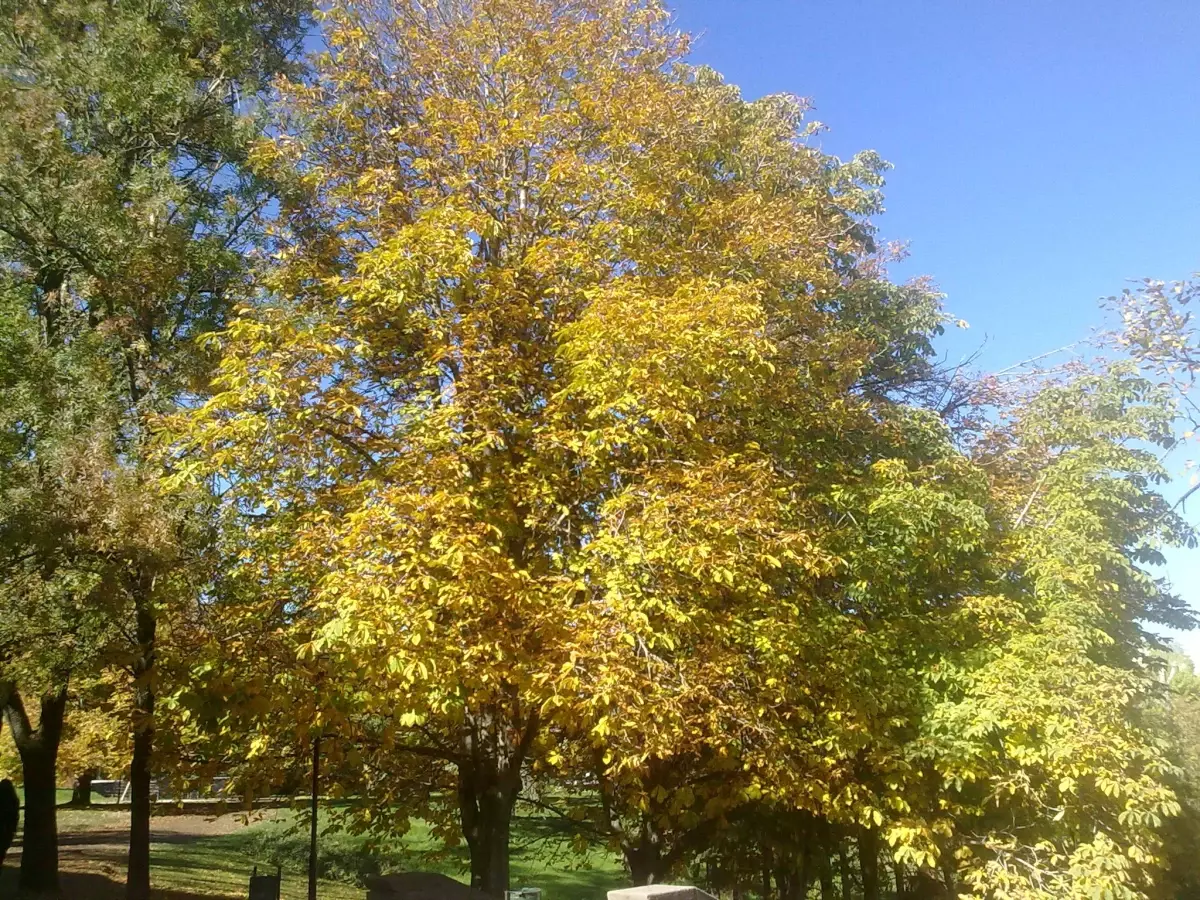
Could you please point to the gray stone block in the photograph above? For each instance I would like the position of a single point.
(420, 886)
(660, 892)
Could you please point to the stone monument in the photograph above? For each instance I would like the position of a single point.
(420, 886)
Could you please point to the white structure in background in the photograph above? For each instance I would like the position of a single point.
(660, 892)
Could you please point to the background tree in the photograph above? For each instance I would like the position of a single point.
(1054, 779)
(58, 599)
(123, 223)
(96, 739)
(1179, 718)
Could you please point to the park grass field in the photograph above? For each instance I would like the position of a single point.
(197, 857)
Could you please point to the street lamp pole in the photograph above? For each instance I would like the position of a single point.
(312, 835)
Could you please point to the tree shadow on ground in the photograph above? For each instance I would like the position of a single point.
(86, 838)
(91, 886)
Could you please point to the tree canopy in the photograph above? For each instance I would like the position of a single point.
(523, 412)
(126, 214)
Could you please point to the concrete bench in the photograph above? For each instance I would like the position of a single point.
(660, 892)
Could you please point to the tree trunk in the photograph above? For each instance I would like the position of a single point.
(824, 847)
(766, 874)
(487, 826)
(868, 853)
(137, 882)
(81, 793)
(39, 762)
(806, 874)
(644, 859)
(949, 872)
(844, 872)
(825, 872)
(783, 882)
(489, 782)
(39, 842)
(641, 850)
(497, 832)
(791, 880)
(926, 886)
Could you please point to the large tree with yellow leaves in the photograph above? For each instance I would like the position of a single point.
(575, 428)
(540, 416)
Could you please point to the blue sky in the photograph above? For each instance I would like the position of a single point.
(1045, 153)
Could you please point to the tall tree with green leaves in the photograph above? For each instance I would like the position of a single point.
(125, 215)
(1052, 780)
(58, 603)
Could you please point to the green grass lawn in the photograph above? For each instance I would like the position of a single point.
(211, 866)
(64, 795)
(540, 856)
(195, 865)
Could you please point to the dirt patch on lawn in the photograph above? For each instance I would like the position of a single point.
(93, 847)
(91, 886)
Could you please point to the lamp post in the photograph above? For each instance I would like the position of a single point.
(312, 834)
(318, 682)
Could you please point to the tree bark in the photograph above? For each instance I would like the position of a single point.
(825, 872)
(641, 851)
(649, 858)
(644, 859)
(792, 880)
(487, 826)
(909, 883)
(766, 874)
(868, 858)
(137, 882)
(39, 843)
(926, 886)
(844, 871)
(824, 849)
(806, 874)
(39, 762)
(949, 872)
(489, 782)
(783, 882)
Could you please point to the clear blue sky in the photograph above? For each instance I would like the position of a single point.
(1045, 152)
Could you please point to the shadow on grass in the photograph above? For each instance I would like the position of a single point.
(77, 838)
(89, 886)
